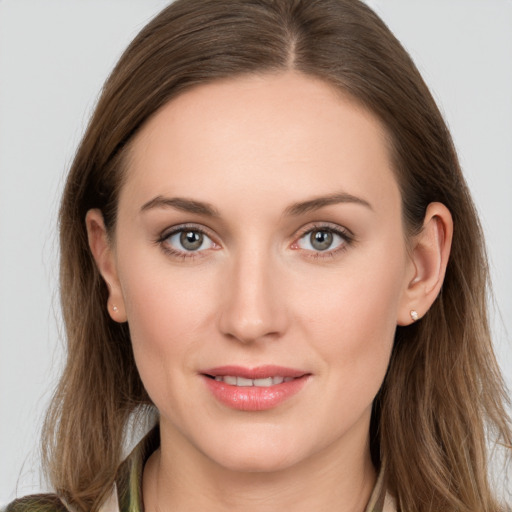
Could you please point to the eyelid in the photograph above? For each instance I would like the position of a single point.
(169, 231)
(326, 226)
(173, 230)
(346, 234)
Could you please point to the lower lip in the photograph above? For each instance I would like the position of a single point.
(254, 398)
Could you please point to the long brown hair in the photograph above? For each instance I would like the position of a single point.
(443, 394)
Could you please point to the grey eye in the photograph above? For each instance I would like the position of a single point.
(321, 240)
(191, 240)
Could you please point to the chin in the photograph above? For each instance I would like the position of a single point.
(255, 454)
(242, 462)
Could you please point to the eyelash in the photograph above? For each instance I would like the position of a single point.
(346, 235)
(183, 255)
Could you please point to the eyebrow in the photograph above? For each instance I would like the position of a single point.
(181, 203)
(320, 202)
(201, 208)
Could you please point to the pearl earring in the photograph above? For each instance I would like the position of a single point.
(115, 309)
(414, 315)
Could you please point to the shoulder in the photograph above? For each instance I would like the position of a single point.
(37, 503)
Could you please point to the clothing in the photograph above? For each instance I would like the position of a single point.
(127, 493)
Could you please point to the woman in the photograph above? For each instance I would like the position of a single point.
(266, 236)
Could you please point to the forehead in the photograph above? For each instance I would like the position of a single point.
(278, 134)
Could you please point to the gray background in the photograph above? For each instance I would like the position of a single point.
(54, 57)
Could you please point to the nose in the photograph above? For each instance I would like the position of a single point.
(253, 306)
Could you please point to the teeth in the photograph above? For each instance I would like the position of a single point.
(240, 381)
(243, 382)
(230, 380)
(264, 383)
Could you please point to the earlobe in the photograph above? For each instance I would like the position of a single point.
(429, 258)
(104, 257)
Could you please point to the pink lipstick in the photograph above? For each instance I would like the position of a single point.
(254, 389)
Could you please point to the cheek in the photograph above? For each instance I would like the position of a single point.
(353, 319)
(167, 311)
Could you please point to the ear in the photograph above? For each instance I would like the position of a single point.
(430, 250)
(104, 256)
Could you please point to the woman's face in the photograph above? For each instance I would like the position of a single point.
(259, 238)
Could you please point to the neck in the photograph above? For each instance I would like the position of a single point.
(338, 478)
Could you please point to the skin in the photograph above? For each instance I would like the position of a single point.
(258, 292)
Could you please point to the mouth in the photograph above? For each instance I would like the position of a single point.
(254, 389)
(233, 380)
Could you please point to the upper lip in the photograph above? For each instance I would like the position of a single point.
(258, 372)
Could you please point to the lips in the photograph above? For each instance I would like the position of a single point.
(260, 372)
(254, 389)
(233, 380)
